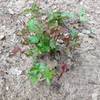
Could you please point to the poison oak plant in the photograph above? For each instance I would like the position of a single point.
(41, 40)
(40, 72)
(34, 10)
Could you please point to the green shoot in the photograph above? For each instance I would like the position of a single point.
(43, 35)
(40, 71)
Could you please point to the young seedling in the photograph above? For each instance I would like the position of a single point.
(34, 10)
(43, 36)
(41, 39)
(82, 16)
(40, 72)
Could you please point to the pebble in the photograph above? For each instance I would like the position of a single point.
(2, 36)
(10, 11)
(44, 17)
(60, 41)
(15, 71)
(7, 88)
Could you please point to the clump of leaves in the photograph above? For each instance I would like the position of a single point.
(34, 26)
(33, 10)
(41, 41)
(74, 37)
(40, 72)
(74, 20)
(57, 18)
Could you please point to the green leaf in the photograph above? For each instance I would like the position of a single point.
(33, 39)
(82, 12)
(35, 8)
(34, 74)
(82, 15)
(74, 43)
(44, 43)
(69, 15)
(34, 79)
(52, 44)
(53, 24)
(65, 15)
(33, 52)
(54, 16)
(27, 11)
(34, 26)
(48, 75)
(40, 70)
(83, 19)
(43, 67)
(29, 53)
(44, 49)
(73, 32)
(54, 19)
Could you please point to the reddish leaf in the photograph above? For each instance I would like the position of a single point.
(16, 50)
(64, 68)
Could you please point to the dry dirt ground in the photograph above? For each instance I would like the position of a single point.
(81, 83)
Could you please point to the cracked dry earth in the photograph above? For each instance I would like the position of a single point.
(81, 83)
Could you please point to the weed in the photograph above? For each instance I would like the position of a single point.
(42, 38)
(41, 72)
(34, 10)
(82, 15)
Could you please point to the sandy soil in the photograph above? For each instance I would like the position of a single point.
(81, 83)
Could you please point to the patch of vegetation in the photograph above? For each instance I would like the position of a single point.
(40, 72)
(41, 39)
(42, 36)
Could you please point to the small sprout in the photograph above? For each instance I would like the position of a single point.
(33, 39)
(34, 10)
(41, 71)
(73, 32)
(82, 15)
(69, 15)
(56, 18)
(34, 26)
(52, 44)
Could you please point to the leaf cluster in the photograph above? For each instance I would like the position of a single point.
(82, 16)
(40, 71)
(41, 39)
(44, 43)
(33, 10)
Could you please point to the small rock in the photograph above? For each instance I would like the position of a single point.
(2, 36)
(10, 11)
(7, 88)
(44, 17)
(15, 71)
(60, 41)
